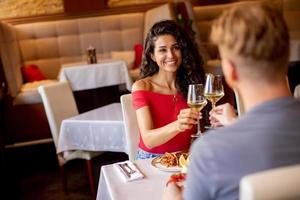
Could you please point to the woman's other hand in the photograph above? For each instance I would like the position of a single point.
(222, 115)
(187, 118)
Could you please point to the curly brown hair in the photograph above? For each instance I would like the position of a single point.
(191, 69)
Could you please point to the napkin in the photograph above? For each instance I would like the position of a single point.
(128, 171)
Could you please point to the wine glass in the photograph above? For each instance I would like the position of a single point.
(213, 90)
(197, 101)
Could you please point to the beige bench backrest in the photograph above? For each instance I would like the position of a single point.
(50, 44)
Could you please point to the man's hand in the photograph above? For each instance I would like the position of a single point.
(172, 192)
(222, 115)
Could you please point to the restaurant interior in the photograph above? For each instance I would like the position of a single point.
(96, 47)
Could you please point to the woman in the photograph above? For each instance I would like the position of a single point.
(171, 62)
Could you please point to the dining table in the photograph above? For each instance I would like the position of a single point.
(113, 187)
(101, 129)
(84, 76)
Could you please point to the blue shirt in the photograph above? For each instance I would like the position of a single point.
(267, 136)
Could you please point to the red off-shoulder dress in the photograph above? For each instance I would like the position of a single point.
(164, 109)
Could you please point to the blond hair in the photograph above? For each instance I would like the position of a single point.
(256, 36)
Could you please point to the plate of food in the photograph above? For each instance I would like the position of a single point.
(170, 162)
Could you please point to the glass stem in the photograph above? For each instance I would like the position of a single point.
(213, 105)
(199, 128)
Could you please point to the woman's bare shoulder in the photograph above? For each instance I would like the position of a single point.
(142, 84)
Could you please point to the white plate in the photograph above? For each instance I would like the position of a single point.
(164, 168)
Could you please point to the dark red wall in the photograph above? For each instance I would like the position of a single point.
(80, 6)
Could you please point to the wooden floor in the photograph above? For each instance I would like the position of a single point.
(33, 174)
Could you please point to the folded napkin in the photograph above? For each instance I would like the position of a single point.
(128, 171)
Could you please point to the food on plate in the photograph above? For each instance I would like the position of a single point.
(178, 178)
(183, 163)
(172, 159)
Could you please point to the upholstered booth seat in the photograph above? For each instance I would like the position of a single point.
(204, 16)
(29, 94)
(51, 43)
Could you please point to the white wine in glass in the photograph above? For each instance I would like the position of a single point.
(214, 97)
(197, 101)
(197, 105)
(213, 90)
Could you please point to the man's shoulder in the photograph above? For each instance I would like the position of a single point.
(215, 139)
(222, 137)
(278, 105)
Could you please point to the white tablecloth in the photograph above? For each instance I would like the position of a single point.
(112, 186)
(84, 76)
(101, 129)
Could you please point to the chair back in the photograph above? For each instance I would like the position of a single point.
(276, 184)
(131, 126)
(297, 92)
(156, 14)
(59, 104)
(239, 103)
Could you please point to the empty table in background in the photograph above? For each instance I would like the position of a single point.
(84, 76)
(101, 129)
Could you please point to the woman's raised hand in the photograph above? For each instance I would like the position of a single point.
(187, 118)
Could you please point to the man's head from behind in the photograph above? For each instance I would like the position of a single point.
(253, 39)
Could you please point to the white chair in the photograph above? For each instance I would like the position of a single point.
(131, 126)
(156, 14)
(275, 184)
(239, 103)
(59, 104)
(297, 92)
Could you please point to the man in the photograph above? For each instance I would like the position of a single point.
(253, 42)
